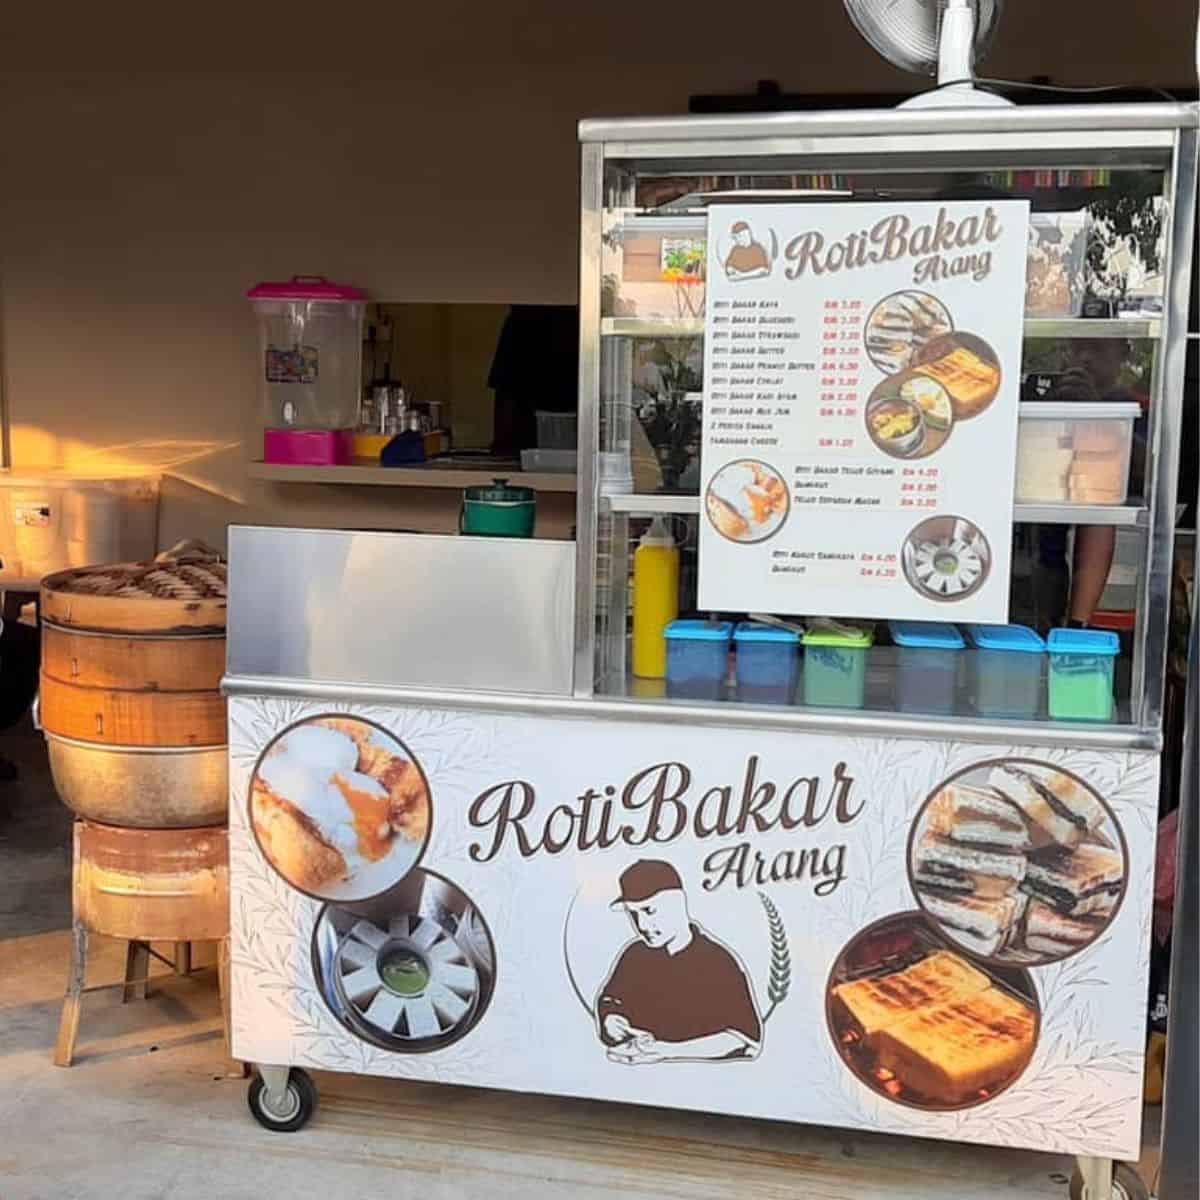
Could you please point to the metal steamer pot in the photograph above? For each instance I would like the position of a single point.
(498, 510)
(145, 787)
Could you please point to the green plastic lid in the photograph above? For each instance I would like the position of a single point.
(852, 637)
(499, 492)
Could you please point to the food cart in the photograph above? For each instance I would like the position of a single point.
(908, 892)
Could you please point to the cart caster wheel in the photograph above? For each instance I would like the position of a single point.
(299, 1103)
(1126, 1184)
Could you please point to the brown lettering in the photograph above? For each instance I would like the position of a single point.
(503, 818)
(755, 797)
(661, 799)
(842, 784)
(722, 821)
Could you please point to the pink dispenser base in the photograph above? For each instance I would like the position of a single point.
(308, 447)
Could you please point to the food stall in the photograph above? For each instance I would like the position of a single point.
(857, 845)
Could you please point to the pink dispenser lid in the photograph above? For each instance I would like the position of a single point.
(306, 287)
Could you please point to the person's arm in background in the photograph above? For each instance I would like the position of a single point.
(1091, 563)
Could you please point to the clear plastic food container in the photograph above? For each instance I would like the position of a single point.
(1081, 674)
(928, 654)
(1074, 453)
(1006, 670)
(310, 367)
(767, 662)
(835, 664)
(56, 520)
(697, 657)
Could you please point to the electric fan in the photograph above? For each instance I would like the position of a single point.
(933, 37)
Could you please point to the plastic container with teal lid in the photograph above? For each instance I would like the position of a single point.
(697, 657)
(927, 663)
(767, 662)
(1006, 664)
(1081, 674)
(835, 663)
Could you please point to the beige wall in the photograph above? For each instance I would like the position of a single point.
(156, 165)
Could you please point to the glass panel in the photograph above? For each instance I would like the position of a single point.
(1093, 305)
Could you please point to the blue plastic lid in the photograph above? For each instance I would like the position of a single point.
(927, 635)
(699, 631)
(1084, 641)
(1006, 637)
(755, 631)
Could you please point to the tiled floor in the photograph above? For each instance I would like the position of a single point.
(150, 1111)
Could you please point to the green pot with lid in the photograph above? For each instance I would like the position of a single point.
(497, 509)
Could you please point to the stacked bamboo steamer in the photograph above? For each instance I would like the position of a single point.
(130, 703)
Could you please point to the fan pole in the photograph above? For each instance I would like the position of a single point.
(956, 43)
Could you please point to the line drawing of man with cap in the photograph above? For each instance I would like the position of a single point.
(747, 259)
(674, 992)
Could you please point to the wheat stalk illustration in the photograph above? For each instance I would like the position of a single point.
(779, 982)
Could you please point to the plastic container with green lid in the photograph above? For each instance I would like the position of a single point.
(768, 661)
(835, 664)
(1081, 674)
(697, 657)
(1006, 664)
(927, 659)
(497, 509)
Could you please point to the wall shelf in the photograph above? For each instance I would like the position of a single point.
(427, 475)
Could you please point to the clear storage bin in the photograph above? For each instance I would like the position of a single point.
(1074, 453)
(767, 662)
(927, 663)
(697, 658)
(310, 368)
(1006, 664)
(53, 521)
(835, 665)
(557, 431)
(1081, 674)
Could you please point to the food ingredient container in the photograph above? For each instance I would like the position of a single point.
(1074, 452)
(1006, 664)
(310, 368)
(927, 662)
(553, 462)
(56, 520)
(1081, 674)
(498, 510)
(767, 662)
(697, 657)
(835, 664)
(556, 431)
(1055, 270)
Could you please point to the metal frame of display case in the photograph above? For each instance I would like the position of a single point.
(1153, 137)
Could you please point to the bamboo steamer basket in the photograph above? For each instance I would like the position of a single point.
(152, 885)
(132, 657)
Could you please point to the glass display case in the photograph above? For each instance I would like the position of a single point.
(1111, 192)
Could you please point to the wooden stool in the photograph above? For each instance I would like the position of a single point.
(145, 886)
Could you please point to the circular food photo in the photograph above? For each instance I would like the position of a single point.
(909, 415)
(946, 558)
(747, 501)
(901, 325)
(339, 807)
(966, 366)
(412, 970)
(1018, 862)
(924, 1026)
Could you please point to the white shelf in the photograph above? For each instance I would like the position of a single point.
(1131, 513)
(430, 475)
(1035, 327)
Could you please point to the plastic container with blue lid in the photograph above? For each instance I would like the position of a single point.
(1006, 664)
(767, 662)
(697, 656)
(835, 663)
(927, 665)
(1081, 674)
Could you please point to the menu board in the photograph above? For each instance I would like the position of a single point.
(862, 369)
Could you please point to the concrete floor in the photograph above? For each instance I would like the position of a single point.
(151, 1110)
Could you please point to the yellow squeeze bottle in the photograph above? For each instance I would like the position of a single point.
(655, 598)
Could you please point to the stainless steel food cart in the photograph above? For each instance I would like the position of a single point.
(499, 668)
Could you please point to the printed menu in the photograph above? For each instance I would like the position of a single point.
(861, 377)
